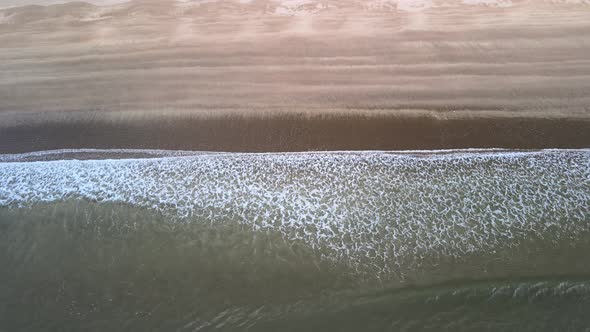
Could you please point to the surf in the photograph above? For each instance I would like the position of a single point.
(222, 241)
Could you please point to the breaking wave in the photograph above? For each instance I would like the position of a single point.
(384, 213)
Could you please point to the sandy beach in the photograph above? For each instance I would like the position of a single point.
(295, 165)
(294, 75)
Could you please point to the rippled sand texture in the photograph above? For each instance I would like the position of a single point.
(509, 59)
(161, 55)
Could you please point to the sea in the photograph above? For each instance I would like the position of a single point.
(149, 240)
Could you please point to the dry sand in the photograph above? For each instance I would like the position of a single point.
(294, 75)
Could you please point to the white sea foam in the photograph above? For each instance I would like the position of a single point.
(390, 208)
(41, 155)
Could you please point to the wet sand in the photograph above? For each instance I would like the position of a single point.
(300, 133)
(259, 76)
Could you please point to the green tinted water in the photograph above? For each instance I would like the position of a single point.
(77, 265)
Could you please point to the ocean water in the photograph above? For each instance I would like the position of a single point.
(486, 240)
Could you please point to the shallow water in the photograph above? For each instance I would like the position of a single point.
(350, 241)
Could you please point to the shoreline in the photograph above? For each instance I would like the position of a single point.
(296, 133)
(235, 77)
(138, 154)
